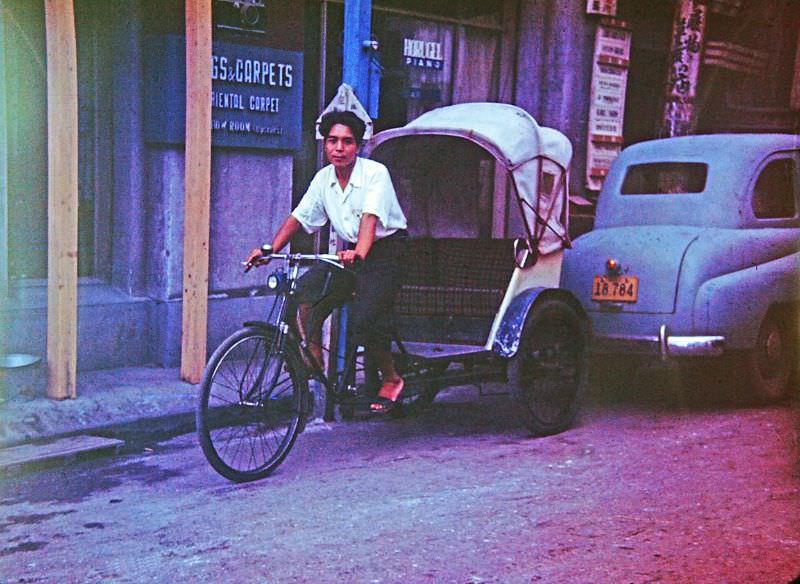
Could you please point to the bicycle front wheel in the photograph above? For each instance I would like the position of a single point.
(252, 399)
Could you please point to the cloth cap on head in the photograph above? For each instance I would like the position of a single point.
(346, 101)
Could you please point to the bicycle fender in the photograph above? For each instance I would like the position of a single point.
(259, 324)
(506, 341)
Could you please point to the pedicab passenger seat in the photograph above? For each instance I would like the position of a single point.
(455, 277)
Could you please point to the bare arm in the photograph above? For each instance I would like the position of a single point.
(285, 233)
(366, 234)
(366, 237)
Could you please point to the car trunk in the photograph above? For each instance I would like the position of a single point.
(653, 254)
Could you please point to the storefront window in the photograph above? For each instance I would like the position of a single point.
(432, 54)
(26, 88)
(417, 59)
(25, 85)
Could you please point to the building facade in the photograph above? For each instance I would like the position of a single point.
(606, 73)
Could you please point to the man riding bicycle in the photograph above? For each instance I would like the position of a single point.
(357, 196)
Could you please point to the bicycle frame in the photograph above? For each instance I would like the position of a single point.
(335, 385)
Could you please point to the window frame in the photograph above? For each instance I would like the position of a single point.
(793, 220)
(664, 166)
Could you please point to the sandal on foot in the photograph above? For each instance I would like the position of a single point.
(384, 405)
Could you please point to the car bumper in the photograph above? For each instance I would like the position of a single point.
(662, 345)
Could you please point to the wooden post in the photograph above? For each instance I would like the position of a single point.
(197, 189)
(62, 199)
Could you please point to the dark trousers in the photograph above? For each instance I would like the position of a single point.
(371, 286)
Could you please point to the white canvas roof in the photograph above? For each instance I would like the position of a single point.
(513, 137)
(507, 130)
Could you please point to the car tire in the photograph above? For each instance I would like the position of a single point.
(768, 367)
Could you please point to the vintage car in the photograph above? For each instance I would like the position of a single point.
(696, 254)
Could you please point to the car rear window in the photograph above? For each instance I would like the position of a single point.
(665, 178)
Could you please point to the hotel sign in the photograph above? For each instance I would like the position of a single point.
(256, 94)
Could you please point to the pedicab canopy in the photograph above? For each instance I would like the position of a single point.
(480, 170)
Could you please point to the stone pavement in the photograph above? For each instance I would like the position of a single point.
(136, 399)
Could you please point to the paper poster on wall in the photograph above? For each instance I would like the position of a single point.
(607, 99)
(602, 7)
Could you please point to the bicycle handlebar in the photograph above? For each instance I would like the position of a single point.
(328, 258)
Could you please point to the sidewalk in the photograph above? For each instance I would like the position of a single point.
(136, 399)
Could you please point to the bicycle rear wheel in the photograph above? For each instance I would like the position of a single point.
(251, 404)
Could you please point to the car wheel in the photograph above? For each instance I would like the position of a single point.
(768, 365)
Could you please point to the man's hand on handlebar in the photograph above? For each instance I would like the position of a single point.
(349, 257)
(255, 258)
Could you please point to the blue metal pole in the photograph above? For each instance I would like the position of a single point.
(357, 32)
(356, 73)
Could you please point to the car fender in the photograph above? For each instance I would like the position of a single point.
(509, 333)
(734, 304)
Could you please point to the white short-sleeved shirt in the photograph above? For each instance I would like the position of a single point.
(370, 190)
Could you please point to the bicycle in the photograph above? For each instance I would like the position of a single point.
(255, 396)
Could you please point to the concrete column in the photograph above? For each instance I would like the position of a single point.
(555, 70)
(128, 249)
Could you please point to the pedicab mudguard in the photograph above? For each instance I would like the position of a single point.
(506, 340)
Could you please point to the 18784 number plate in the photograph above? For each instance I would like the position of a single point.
(619, 289)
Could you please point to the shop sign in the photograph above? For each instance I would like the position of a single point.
(256, 94)
(604, 7)
(423, 54)
(687, 45)
(607, 101)
(735, 57)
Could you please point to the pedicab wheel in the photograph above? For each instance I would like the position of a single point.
(548, 374)
(251, 405)
(767, 368)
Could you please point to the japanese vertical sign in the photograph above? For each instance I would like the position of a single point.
(607, 102)
(684, 67)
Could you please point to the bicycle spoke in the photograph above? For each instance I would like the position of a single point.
(251, 407)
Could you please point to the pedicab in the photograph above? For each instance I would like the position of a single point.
(485, 191)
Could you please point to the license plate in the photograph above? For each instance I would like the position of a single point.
(618, 289)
